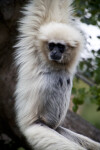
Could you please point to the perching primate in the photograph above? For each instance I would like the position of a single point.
(47, 54)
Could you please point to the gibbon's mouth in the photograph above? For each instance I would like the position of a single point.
(55, 57)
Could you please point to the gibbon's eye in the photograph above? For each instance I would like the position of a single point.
(51, 46)
(61, 47)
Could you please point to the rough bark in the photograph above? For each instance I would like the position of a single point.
(9, 14)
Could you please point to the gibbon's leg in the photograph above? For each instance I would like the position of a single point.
(79, 139)
(41, 137)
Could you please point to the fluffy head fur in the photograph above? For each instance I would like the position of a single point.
(45, 21)
(66, 34)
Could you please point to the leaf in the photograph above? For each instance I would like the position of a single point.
(98, 37)
(75, 108)
(98, 109)
(98, 53)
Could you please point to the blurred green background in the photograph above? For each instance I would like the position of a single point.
(87, 96)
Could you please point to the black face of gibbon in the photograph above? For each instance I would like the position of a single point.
(56, 50)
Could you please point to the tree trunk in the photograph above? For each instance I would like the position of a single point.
(9, 15)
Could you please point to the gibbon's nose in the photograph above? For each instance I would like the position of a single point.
(55, 55)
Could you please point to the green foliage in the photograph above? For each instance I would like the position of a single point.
(88, 11)
(79, 97)
(90, 68)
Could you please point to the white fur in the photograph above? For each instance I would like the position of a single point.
(44, 138)
(44, 20)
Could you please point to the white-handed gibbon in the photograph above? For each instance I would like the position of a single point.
(47, 53)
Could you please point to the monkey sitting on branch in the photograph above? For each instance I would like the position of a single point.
(47, 53)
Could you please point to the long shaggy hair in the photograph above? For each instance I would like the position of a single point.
(44, 86)
(44, 21)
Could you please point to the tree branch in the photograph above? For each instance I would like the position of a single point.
(83, 78)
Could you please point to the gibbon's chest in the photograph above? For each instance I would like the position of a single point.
(56, 97)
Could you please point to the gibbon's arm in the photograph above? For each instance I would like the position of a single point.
(44, 138)
(79, 139)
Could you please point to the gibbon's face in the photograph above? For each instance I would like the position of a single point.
(56, 50)
(60, 43)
